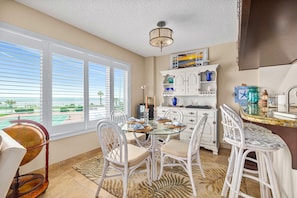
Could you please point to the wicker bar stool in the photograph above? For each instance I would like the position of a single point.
(245, 139)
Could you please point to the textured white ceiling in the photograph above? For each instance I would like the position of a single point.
(126, 23)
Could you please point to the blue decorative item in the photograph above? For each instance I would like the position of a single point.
(253, 95)
(170, 80)
(241, 95)
(208, 75)
(174, 101)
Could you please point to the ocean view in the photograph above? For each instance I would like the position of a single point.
(33, 101)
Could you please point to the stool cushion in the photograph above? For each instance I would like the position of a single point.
(262, 139)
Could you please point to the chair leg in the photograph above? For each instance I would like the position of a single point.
(189, 170)
(106, 163)
(237, 174)
(262, 174)
(271, 175)
(229, 172)
(161, 164)
(148, 167)
(200, 164)
(125, 183)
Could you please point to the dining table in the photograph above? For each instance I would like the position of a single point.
(155, 129)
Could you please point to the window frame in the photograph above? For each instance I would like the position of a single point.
(20, 36)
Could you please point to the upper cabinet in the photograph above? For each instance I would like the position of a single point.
(186, 83)
(267, 33)
(190, 82)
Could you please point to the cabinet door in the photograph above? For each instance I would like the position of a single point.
(192, 83)
(180, 83)
(209, 136)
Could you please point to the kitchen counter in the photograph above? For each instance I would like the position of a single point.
(253, 113)
(286, 128)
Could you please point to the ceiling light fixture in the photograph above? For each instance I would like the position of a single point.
(161, 36)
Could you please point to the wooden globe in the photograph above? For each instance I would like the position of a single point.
(29, 137)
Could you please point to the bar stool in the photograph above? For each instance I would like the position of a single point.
(245, 139)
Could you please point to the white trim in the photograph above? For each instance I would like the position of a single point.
(48, 46)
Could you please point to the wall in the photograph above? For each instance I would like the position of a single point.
(283, 78)
(21, 16)
(229, 76)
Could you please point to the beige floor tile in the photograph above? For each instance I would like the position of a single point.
(65, 182)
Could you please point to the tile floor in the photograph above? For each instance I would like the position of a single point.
(65, 182)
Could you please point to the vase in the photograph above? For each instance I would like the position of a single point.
(208, 75)
(174, 101)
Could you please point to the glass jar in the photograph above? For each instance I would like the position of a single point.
(253, 95)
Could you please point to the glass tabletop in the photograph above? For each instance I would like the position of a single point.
(155, 128)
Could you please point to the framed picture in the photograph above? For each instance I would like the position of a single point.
(190, 59)
(241, 95)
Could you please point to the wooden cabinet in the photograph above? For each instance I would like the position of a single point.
(193, 86)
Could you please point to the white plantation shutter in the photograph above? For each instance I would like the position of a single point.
(20, 82)
(68, 88)
(120, 83)
(99, 91)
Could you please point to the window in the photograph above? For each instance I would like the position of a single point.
(99, 91)
(65, 88)
(20, 92)
(120, 89)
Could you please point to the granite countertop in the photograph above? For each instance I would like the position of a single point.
(190, 106)
(254, 113)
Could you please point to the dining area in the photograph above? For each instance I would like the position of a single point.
(129, 144)
(132, 145)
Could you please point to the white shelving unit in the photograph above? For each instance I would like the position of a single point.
(193, 87)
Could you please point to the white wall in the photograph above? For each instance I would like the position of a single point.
(278, 80)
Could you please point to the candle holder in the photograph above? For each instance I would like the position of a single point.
(155, 114)
(146, 115)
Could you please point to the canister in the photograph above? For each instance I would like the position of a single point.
(253, 95)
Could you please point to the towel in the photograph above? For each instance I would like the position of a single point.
(138, 126)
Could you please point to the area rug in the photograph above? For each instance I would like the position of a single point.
(174, 182)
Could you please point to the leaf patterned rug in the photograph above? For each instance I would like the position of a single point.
(173, 183)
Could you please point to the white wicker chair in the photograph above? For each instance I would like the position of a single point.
(247, 138)
(184, 153)
(120, 156)
(174, 115)
(120, 118)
